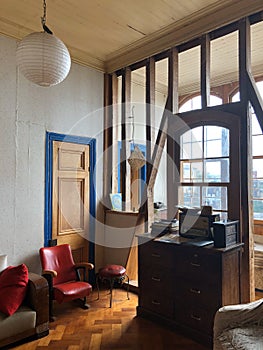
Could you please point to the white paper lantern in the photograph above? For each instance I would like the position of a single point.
(43, 59)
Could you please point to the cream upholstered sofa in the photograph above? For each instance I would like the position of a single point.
(31, 319)
(239, 327)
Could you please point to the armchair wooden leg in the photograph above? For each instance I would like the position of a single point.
(50, 288)
(111, 287)
(128, 286)
(85, 306)
(97, 285)
(51, 315)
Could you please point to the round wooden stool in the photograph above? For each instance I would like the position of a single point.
(112, 273)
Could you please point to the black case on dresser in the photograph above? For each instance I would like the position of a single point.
(183, 285)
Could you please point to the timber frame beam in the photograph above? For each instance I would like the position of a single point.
(248, 94)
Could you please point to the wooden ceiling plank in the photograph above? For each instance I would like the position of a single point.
(182, 31)
(102, 34)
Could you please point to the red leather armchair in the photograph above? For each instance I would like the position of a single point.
(65, 280)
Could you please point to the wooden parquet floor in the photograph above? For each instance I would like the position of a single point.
(102, 328)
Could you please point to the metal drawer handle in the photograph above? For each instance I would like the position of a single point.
(156, 255)
(195, 264)
(156, 279)
(196, 291)
(197, 318)
(155, 302)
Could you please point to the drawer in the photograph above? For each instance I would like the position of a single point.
(156, 278)
(157, 303)
(195, 264)
(156, 253)
(199, 293)
(194, 317)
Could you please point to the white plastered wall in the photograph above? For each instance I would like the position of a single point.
(27, 111)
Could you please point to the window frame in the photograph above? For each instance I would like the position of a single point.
(203, 183)
(232, 123)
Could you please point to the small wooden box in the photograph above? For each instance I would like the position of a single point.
(225, 233)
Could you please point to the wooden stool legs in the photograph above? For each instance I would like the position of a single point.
(111, 280)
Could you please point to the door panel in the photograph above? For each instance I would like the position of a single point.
(72, 216)
(70, 197)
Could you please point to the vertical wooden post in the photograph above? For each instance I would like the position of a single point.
(205, 70)
(115, 123)
(150, 107)
(247, 276)
(151, 177)
(107, 140)
(146, 212)
(173, 107)
(173, 75)
(150, 134)
(125, 149)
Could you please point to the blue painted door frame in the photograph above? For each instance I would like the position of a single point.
(50, 137)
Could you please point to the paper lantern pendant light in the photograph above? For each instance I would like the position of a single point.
(136, 159)
(42, 57)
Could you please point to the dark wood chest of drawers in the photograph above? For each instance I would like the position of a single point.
(184, 285)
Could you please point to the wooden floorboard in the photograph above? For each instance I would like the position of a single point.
(103, 328)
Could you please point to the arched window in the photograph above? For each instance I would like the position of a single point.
(195, 103)
(207, 167)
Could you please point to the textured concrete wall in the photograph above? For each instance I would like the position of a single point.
(27, 111)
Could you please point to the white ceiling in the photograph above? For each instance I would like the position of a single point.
(110, 34)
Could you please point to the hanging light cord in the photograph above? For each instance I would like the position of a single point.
(43, 19)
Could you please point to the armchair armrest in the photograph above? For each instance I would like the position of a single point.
(51, 273)
(38, 299)
(88, 265)
(84, 266)
(232, 316)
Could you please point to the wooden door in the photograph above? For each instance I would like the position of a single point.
(70, 197)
